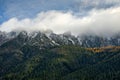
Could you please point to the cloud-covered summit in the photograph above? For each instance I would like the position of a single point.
(99, 22)
(99, 17)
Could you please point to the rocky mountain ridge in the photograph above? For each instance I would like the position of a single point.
(52, 39)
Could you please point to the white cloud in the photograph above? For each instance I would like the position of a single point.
(104, 22)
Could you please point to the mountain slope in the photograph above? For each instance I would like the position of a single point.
(41, 56)
(107, 68)
(64, 62)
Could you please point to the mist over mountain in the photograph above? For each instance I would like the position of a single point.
(103, 22)
(48, 36)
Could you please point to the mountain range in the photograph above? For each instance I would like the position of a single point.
(48, 56)
(61, 39)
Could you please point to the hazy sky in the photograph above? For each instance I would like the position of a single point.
(77, 16)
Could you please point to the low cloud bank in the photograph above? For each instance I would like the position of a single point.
(98, 22)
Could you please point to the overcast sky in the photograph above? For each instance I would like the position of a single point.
(77, 16)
